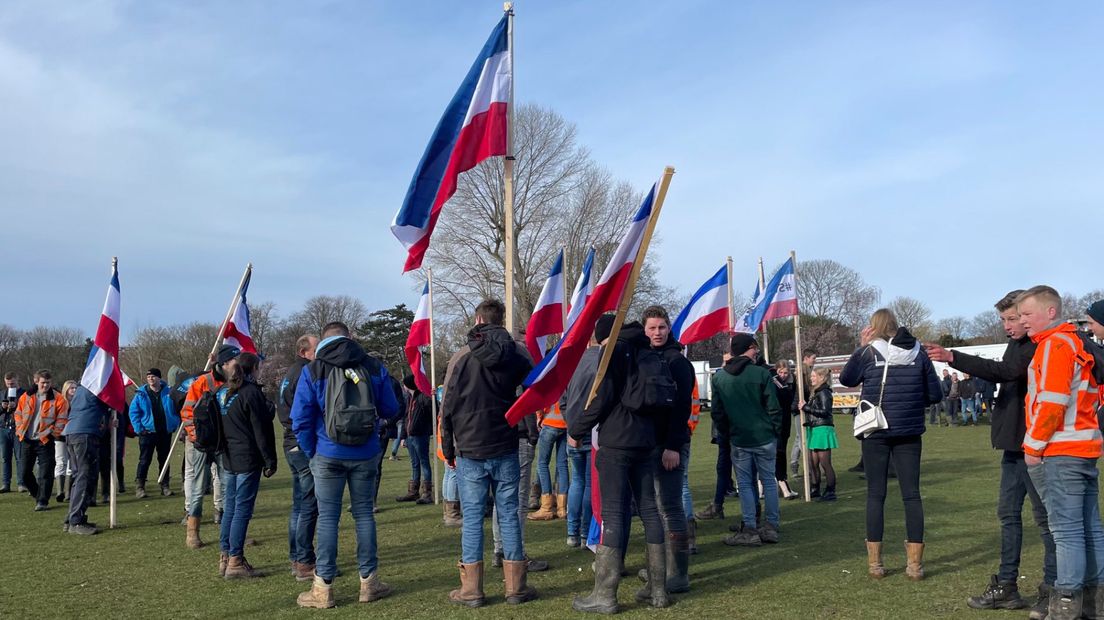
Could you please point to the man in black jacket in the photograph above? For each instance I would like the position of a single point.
(627, 438)
(304, 506)
(1007, 433)
(9, 449)
(480, 386)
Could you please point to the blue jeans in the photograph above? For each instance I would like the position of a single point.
(450, 491)
(1069, 488)
(761, 459)
(330, 479)
(476, 478)
(968, 408)
(687, 501)
(579, 511)
(418, 447)
(304, 509)
(239, 497)
(552, 439)
(195, 475)
(9, 451)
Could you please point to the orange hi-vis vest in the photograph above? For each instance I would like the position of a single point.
(695, 408)
(195, 392)
(1061, 397)
(440, 450)
(55, 413)
(553, 417)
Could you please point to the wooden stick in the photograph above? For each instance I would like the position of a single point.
(114, 483)
(762, 285)
(433, 387)
(800, 391)
(626, 296)
(508, 176)
(731, 299)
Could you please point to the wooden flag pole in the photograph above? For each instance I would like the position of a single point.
(207, 366)
(626, 297)
(731, 298)
(762, 285)
(566, 293)
(508, 176)
(800, 391)
(113, 503)
(433, 386)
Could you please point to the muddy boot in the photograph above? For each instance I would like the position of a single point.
(874, 560)
(426, 495)
(224, 559)
(1065, 604)
(372, 589)
(678, 562)
(165, 490)
(1039, 609)
(517, 589)
(547, 510)
(998, 596)
(452, 516)
(607, 576)
(692, 536)
(534, 495)
(320, 596)
(237, 567)
(140, 489)
(654, 591)
(561, 506)
(915, 568)
(470, 593)
(1091, 602)
(713, 511)
(411, 492)
(191, 537)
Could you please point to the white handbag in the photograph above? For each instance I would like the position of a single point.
(870, 417)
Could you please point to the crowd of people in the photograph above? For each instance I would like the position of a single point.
(340, 408)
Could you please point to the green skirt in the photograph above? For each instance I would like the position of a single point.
(821, 438)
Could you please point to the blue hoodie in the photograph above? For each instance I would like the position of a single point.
(141, 410)
(308, 420)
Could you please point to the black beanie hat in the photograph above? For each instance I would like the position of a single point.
(741, 343)
(226, 353)
(155, 372)
(603, 327)
(1096, 311)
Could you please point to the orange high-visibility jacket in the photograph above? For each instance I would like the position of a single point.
(552, 416)
(695, 408)
(55, 413)
(202, 383)
(1061, 397)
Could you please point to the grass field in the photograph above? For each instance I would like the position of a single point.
(143, 570)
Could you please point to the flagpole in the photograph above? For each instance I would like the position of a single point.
(113, 504)
(762, 285)
(630, 286)
(218, 340)
(433, 385)
(508, 174)
(566, 295)
(800, 389)
(731, 298)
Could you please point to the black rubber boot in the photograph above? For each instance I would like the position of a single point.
(607, 576)
(998, 596)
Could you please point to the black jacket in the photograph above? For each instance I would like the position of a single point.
(673, 434)
(818, 409)
(247, 428)
(287, 397)
(787, 395)
(945, 383)
(481, 385)
(967, 388)
(620, 427)
(7, 417)
(419, 417)
(1008, 421)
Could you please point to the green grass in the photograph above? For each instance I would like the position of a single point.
(818, 570)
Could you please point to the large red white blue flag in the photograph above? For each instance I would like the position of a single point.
(420, 331)
(548, 315)
(707, 314)
(547, 382)
(584, 288)
(473, 128)
(777, 300)
(236, 332)
(102, 376)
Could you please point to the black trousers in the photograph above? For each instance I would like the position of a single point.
(105, 462)
(625, 476)
(147, 445)
(40, 485)
(84, 457)
(782, 461)
(904, 453)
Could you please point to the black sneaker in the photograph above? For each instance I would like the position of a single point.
(998, 596)
(829, 496)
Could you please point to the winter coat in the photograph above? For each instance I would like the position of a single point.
(967, 388)
(575, 396)
(87, 414)
(286, 398)
(141, 410)
(818, 409)
(55, 413)
(419, 416)
(1008, 422)
(7, 417)
(248, 432)
(673, 432)
(911, 382)
(745, 404)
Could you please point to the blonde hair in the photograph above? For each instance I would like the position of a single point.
(883, 323)
(823, 372)
(68, 384)
(1045, 295)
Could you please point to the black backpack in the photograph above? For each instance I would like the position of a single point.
(1097, 353)
(651, 387)
(207, 418)
(350, 406)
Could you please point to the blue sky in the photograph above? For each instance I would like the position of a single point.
(906, 140)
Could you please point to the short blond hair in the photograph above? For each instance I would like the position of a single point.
(823, 371)
(884, 323)
(1046, 295)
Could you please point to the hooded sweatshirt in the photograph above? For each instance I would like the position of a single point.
(911, 382)
(745, 404)
(673, 432)
(480, 386)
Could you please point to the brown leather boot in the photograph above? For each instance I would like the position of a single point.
(320, 596)
(547, 510)
(470, 593)
(224, 558)
(517, 589)
(561, 506)
(426, 496)
(372, 589)
(191, 537)
(302, 572)
(411, 492)
(874, 560)
(452, 516)
(534, 495)
(915, 567)
(239, 568)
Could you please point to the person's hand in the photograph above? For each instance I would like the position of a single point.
(572, 442)
(801, 405)
(866, 335)
(114, 424)
(937, 353)
(268, 472)
(1032, 460)
(670, 460)
(451, 463)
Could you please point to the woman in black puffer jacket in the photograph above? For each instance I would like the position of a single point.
(911, 385)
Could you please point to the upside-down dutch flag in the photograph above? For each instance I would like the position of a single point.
(777, 300)
(707, 314)
(547, 382)
(473, 128)
(584, 288)
(548, 315)
(236, 331)
(102, 376)
(420, 331)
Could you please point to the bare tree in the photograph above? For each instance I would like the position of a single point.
(323, 309)
(913, 314)
(957, 327)
(986, 328)
(830, 290)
